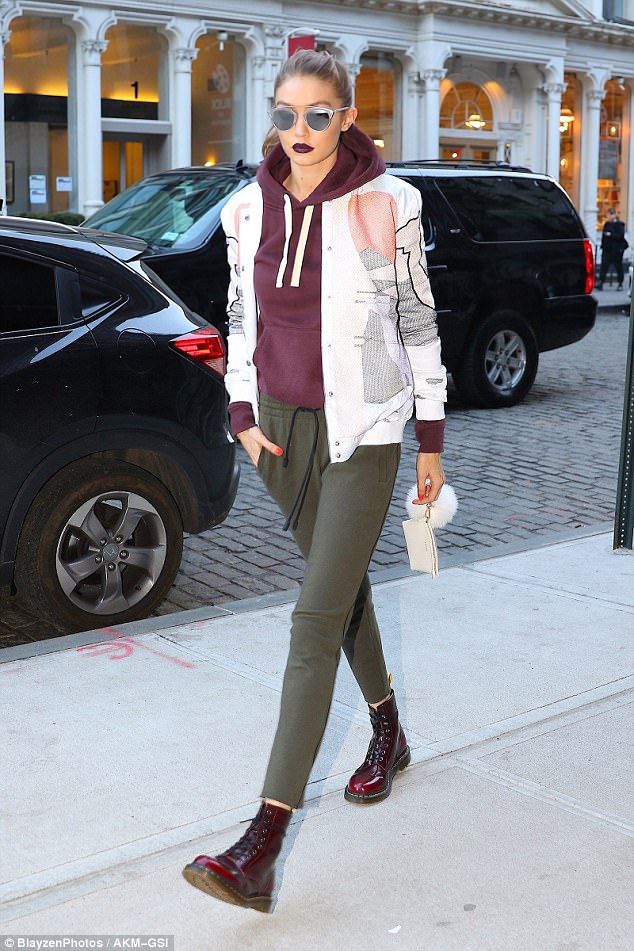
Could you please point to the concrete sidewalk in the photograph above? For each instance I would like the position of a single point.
(127, 753)
(612, 301)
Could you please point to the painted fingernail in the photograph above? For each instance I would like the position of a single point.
(279, 452)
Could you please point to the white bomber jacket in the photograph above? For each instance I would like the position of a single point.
(381, 353)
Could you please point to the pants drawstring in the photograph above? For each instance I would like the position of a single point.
(301, 495)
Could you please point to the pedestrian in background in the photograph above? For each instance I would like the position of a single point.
(613, 245)
(332, 342)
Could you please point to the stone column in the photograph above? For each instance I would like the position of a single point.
(180, 104)
(353, 71)
(429, 141)
(554, 92)
(590, 135)
(89, 125)
(5, 36)
(257, 120)
(411, 108)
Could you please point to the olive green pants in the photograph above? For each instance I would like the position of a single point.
(336, 527)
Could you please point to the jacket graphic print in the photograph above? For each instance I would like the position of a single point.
(381, 353)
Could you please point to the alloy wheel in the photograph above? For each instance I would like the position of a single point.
(505, 361)
(111, 552)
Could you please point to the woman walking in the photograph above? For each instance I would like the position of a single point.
(332, 341)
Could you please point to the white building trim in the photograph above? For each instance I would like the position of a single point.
(519, 48)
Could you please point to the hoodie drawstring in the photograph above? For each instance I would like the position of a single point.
(301, 244)
(301, 494)
(288, 227)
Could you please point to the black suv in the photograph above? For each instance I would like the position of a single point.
(113, 428)
(511, 266)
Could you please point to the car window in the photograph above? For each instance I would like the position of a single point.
(96, 294)
(29, 295)
(167, 211)
(501, 208)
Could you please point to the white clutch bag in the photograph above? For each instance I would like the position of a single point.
(419, 528)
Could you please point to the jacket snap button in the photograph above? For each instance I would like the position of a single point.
(248, 363)
(247, 217)
(338, 455)
(329, 248)
(331, 393)
(336, 444)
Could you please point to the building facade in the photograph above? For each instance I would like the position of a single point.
(98, 95)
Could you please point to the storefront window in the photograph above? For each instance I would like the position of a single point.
(133, 73)
(610, 181)
(130, 70)
(570, 130)
(218, 124)
(466, 106)
(376, 100)
(36, 116)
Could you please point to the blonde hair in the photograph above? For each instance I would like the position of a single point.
(320, 64)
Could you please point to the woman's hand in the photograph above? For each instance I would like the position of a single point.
(255, 442)
(429, 477)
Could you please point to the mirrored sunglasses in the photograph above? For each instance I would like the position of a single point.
(317, 118)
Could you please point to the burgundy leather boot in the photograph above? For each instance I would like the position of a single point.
(244, 874)
(388, 752)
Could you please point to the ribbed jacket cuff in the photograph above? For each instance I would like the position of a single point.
(430, 434)
(240, 417)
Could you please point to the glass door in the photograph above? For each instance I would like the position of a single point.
(123, 165)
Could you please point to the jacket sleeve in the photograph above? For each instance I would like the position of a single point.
(418, 327)
(237, 377)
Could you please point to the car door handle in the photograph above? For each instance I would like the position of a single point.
(438, 267)
(455, 230)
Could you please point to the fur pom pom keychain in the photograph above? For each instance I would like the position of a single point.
(418, 529)
(441, 510)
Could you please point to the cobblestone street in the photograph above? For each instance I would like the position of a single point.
(548, 464)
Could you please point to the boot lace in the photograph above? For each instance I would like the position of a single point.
(381, 736)
(250, 843)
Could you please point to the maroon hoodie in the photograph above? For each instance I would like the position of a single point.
(287, 281)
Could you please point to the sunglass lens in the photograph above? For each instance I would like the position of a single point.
(317, 119)
(283, 119)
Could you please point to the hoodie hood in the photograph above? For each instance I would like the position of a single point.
(358, 162)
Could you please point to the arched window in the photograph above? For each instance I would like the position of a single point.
(132, 90)
(218, 99)
(36, 115)
(130, 71)
(610, 184)
(570, 129)
(466, 106)
(377, 101)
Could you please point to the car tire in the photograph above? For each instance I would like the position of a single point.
(485, 378)
(59, 543)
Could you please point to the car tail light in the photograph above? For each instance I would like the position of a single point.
(204, 346)
(588, 257)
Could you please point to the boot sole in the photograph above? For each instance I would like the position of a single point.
(212, 884)
(403, 761)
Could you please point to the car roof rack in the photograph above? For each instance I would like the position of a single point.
(461, 163)
(241, 167)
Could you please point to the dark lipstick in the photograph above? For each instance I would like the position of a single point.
(302, 147)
